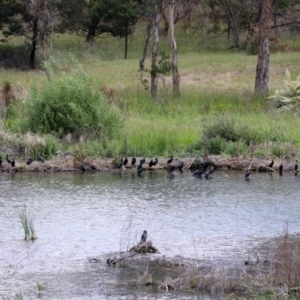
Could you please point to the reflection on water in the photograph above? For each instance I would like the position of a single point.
(79, 216)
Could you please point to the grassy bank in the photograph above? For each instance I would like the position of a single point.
(213, 83)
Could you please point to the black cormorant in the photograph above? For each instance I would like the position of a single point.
(8, 160)
(0, 160)
(140, 168)
(198, 173)
(248, 172)
(280, 169)
(170, 160)
(155, 161)
(270, 165)
(125, 161)
(29, 161)
(144, 236)
(210, 171)
(120, 164)
(41, 159)
(151, 163)
(133, 161)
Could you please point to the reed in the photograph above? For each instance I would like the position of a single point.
(27, 224)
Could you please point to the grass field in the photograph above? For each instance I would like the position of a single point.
(214, 81)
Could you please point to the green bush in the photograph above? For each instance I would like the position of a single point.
(288, 97)
(68, 104)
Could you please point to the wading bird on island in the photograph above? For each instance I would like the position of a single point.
(140, 169)
(248, 172)
(155, 161)
(125, 161)
(280, 169)
(209, 172)
(144, 236)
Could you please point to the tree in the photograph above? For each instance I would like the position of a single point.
(175, 75)
(262, 67)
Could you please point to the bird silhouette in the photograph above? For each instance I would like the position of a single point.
(248, 172)
(198, 173)
(170, 160)
(140, 169)
(8, 160)
(143, 160)
(155, 161)
(296, 168)
(0, 161)
(120, 164)
(29, 161)
(280, 169)
(179, 166)
(270, 165)
(133, 161)
(209, 172)
(41, 159)
(13, 163)
(151, 163)
(125, 161)
(144, 236)
(82, 168)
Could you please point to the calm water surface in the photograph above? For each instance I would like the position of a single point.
(81, 216)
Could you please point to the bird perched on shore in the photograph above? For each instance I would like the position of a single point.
(12, 162)
(155, 162)
(151, 163)
(125, 161)
(120, 164)
(280, 169)
(8, 160)
(29, 161)
(143, 160)
(0, 161)
(296, 168)
(41, 159)
(133, 161)
(270, 165)
(248, 172)
(144, 236)
(170, 160)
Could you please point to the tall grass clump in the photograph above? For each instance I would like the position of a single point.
(224, 134)
(70, 104)
(27, 224)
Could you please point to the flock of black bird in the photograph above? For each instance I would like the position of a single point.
(140, 167)
(28, 162)
(270, 167)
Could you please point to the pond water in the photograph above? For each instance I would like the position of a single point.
(82, 216)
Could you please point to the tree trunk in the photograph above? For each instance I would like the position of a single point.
(175, 76)
(90, 38)
(33, 43)
(154, 75)
(126, 40)
(146, 43)
(262, 67)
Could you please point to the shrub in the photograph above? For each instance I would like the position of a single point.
(288, 97)
(69, 104)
